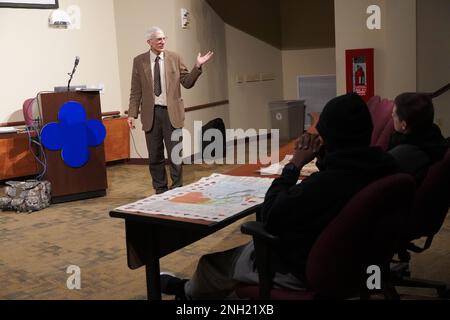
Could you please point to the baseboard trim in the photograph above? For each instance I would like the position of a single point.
(78, 196)
(139, 162)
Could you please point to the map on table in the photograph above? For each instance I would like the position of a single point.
(212, 198)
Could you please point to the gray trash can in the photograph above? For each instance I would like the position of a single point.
(289, 117)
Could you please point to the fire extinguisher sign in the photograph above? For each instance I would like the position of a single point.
(359, 72)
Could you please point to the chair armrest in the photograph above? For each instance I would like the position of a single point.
(265, 243)
(417, 249)
(256, 229)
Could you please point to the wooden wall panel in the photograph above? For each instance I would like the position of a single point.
(117, 142)
(17, 161)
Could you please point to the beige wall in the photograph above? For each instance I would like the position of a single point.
(305, 62)
(394, 44)
(133, 18)
(206, 32)
(34, 57)
(433, 52)
(249, 100)
(400, 47)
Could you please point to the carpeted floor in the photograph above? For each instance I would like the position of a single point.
(37, 248)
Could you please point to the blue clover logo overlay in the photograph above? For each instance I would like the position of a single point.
(73, 134)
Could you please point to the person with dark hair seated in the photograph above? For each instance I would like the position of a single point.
(417, 142)
(298, 213)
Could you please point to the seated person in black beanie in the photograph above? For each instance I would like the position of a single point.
(417, 142)
(298, 213)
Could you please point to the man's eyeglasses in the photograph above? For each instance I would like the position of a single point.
(160, 39)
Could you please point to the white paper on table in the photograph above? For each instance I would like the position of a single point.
(277, 168)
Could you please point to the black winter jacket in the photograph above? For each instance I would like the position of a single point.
(298, 213)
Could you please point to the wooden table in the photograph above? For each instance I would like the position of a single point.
(150, 238)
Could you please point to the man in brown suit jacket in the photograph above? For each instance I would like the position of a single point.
(156, 96)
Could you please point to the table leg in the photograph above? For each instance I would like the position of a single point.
(153, 281)
(152, 268)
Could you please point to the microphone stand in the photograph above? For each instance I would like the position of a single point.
(71, 74)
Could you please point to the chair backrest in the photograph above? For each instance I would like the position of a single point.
(373, 102)
(364, 233)
(27, 110)
(215, 124)
(431, 203)
(383, 125)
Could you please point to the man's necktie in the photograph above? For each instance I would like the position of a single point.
(157, 78)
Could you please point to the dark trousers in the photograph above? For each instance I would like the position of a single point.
(161, 132)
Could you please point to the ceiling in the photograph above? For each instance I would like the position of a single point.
(285, 24)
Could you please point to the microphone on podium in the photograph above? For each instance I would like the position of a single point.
(77, 61)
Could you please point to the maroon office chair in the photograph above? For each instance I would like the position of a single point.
(383, 125)
(27, 110)
(364, 233)
(430, 207)
(373, 102)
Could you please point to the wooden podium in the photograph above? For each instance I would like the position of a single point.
(69, 184)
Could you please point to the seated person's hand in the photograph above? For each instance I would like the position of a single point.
(306, 149)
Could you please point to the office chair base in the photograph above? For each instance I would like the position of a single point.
(441, 288)
(400, 270)
(445, 294)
